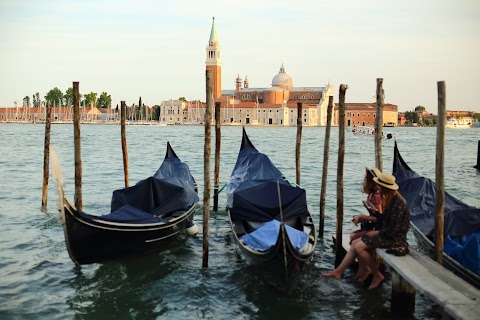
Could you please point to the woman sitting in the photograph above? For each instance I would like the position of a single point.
(392, 234)
(370, 222)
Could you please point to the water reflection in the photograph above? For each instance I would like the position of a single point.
(119, 287)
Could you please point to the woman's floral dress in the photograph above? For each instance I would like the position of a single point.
(396, 222)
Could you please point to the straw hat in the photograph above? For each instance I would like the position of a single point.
(374, 171)
(386, 180)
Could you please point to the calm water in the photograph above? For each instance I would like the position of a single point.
(39, 281)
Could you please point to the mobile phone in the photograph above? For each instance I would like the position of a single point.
(366, 204)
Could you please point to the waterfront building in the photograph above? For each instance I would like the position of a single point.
(364, 114)
(271, 105)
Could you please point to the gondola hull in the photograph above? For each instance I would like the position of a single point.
(448, 262)
(460, 219)
(270, 221)
(151, 216)
(287, 263)
(89, 241)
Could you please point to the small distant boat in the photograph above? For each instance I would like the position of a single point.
(269, 218)
(461, 123)
(389, 124)
(461, 221)
(148, 217)
(366, 132)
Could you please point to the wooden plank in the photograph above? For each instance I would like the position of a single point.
(459, 299)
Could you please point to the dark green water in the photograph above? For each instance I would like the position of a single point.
(39, 281)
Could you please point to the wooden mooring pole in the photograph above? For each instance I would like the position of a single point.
(46, 155)
(76, 138)
(403, 295)
(340, 163)
(439, 173)
(299, 142)
(124, 141)
(206, 167)
(218, 138)
(326, 148)
(379, 125)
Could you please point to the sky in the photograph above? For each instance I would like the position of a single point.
(156, 49)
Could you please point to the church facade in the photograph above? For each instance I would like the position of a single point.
(271, 105)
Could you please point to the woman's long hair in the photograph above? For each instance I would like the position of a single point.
(369, 186)
(387, 197)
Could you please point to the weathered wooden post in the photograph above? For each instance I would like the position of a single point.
(439, 173)
(403, 295)
(299, 141)
(477, 166)
(218, 138)
(124, 141)
(379, 124)
(340, 162)
(326, 148)
(206, 167)
(46, 155)
(76, 139)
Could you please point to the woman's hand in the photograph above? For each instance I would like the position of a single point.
(357, 219)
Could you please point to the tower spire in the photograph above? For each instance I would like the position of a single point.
(213, 61)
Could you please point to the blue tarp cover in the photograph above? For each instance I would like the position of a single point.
(466, 250)
(170, 189)
(252, 193)
(460, 219)
(266, 236)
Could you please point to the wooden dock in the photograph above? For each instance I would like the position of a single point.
(417, 272)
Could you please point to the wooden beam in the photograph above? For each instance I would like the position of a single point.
(206, 167)
(218, 138)
(340, 165)
(326, 148)
(46, 155)
(76, 138)
(439, 174)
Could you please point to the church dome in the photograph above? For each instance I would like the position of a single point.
(282, 80)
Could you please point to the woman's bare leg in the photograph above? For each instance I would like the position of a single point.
(364, 254)
(347, 260)
(363, 270)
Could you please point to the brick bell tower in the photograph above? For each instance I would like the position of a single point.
(214, 63)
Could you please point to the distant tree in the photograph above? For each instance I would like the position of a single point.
(68, 96)
(36, 100)
(434, 121)
(104, 101)
(411, 116)
(26, 102)
(90, 98)
(55, 96)
(156, 112)
(419, 108)
(182, 99)
(476, 116)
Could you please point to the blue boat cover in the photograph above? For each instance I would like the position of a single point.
(252, 192)
(266, 236)
(465, 250)
(171, 188)
(460, 219)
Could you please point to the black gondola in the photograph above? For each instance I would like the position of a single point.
(461, 221)
(149, 217)
(271, 224)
